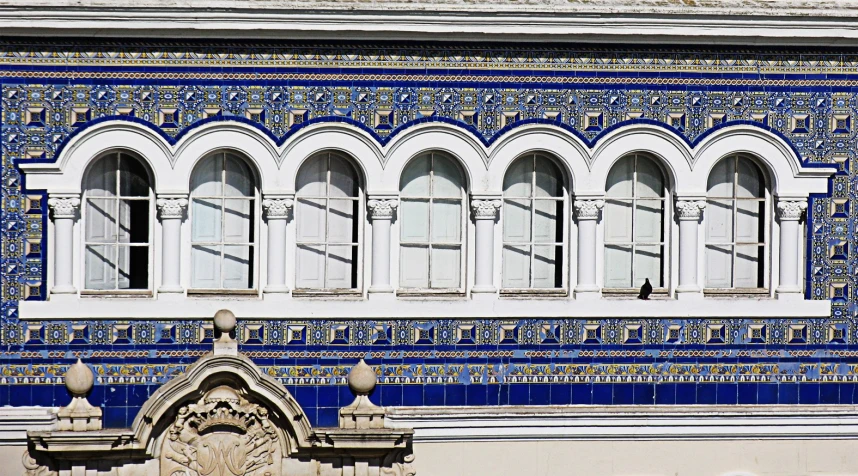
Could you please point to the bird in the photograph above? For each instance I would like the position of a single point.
(646, 290)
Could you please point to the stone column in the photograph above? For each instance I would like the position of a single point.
(587, 212)
(381, 214)
(64, 212)
(789, 213)
(172, 210)
(485, 215)
(689, 213)
(277, 213)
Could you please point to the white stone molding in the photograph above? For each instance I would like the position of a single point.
(690, 209)
(485, 211)
(381, 211)
(65, 211)
(588, 209)
(277, 210)
(689, 212)
(172, 210)
(791, 210)
(587, 212)
(789, 213)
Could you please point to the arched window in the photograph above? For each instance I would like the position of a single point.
(736, 225)
(328, 218)
(634, 224)
(116, 218)
(432, 196)
(223, 214)
(533, 224)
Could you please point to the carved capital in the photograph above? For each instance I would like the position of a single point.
(588, 209)
(485, 209)
(791, 210)
(64, 207)
(171, 207)
(690, 209)
(382, 209)
(277, 208)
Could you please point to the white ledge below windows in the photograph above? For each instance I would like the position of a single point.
(205, 307)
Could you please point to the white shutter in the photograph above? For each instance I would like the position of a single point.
(340, 265)
(205, 266)
(414, 228)
(747, 266)
(719, 267)
(445, 267)
(123, 252)
(648, 265)
(516, 266)
(545, 260)
(618, 265)
(310, 267)
(237, 262)
(414, 266)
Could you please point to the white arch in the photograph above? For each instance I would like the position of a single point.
(789, 177)
(551, 140)
(438, 137)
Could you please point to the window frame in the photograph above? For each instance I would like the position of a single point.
(254, 227)
(150, 242)
(766, 229)
(564, 199)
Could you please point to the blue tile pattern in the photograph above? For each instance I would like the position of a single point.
(51, 92)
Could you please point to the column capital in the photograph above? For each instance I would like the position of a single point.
(382, 209)
(277, 208)
(588, 209)
(690, 209)
(64, 207)
(485, 209)
(171, 208)
(791, 210)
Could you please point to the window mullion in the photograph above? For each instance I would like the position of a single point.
(429, 230)
(531, 279)
(634, 208)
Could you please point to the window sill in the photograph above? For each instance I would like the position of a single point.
(341, 294)
(431, 294)
(553, 293)
(757, 293)
(229, 293)
(633, 293)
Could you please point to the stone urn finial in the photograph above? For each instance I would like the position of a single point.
(362, 413)
(362, 379)
(79, 415)
(79, 379)
(224, 322)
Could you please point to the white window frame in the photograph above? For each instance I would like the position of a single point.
(254, 228)
(150, 242)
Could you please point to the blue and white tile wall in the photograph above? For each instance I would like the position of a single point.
(50, 92)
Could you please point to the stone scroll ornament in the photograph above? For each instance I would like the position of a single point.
(486, 209)
(382, 209)
(172, 207)
(221, 435)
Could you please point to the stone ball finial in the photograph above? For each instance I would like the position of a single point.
(79, 379)
(224, 321)
(362, 379)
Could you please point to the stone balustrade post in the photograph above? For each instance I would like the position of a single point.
(485, 214)
(277, 212)
(171, 211)
(381, 211)
(689, 212)
(65, 212)
(789, 214)
(587, 213)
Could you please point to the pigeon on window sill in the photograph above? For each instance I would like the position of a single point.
(646, 290)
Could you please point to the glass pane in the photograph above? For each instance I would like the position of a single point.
(545, 221)
(311, 216)
(446, 221)
(206, 216)
(414, 216)
(341, 221)
(341, 267)
(133, 178)
(618, 221)
(239, 179)
(719, 266)
(516, 266)
(648, 221)
(546, 266)
(415, 178)
(446, 264)
(749, 262)
(206, 180)
(205, 267)
(343, 179)
(237, 267)
(517, 181)
(750, 180)
(447, 179)
(313, 176)
(549, 179)
(749, 227)
(516, 221)
(238, 221)
(100, 220)
(620, 178)
(134, 221)
(719, 221)
(618, 266)
(134, 269)
(101, 178)
(100, 267)
(650, 180)
(648, 261)
(414, 267)
(721, 179)
(310, 267)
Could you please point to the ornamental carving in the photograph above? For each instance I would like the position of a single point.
(690, 209)
(485, 209)
(65, 207)
(381, 209)
(172, 207)
(277, 208)
(791, 210)
(221, 435)
(588, 209)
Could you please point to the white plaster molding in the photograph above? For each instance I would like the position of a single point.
(15, 422)
(277, 208)
(382, 209)
(626, 422)
(690, 209)
(64, 207)
(588, 209)
(791, 210)
(172, 208)
(486, 209)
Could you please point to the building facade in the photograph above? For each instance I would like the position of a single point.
(467, 197)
